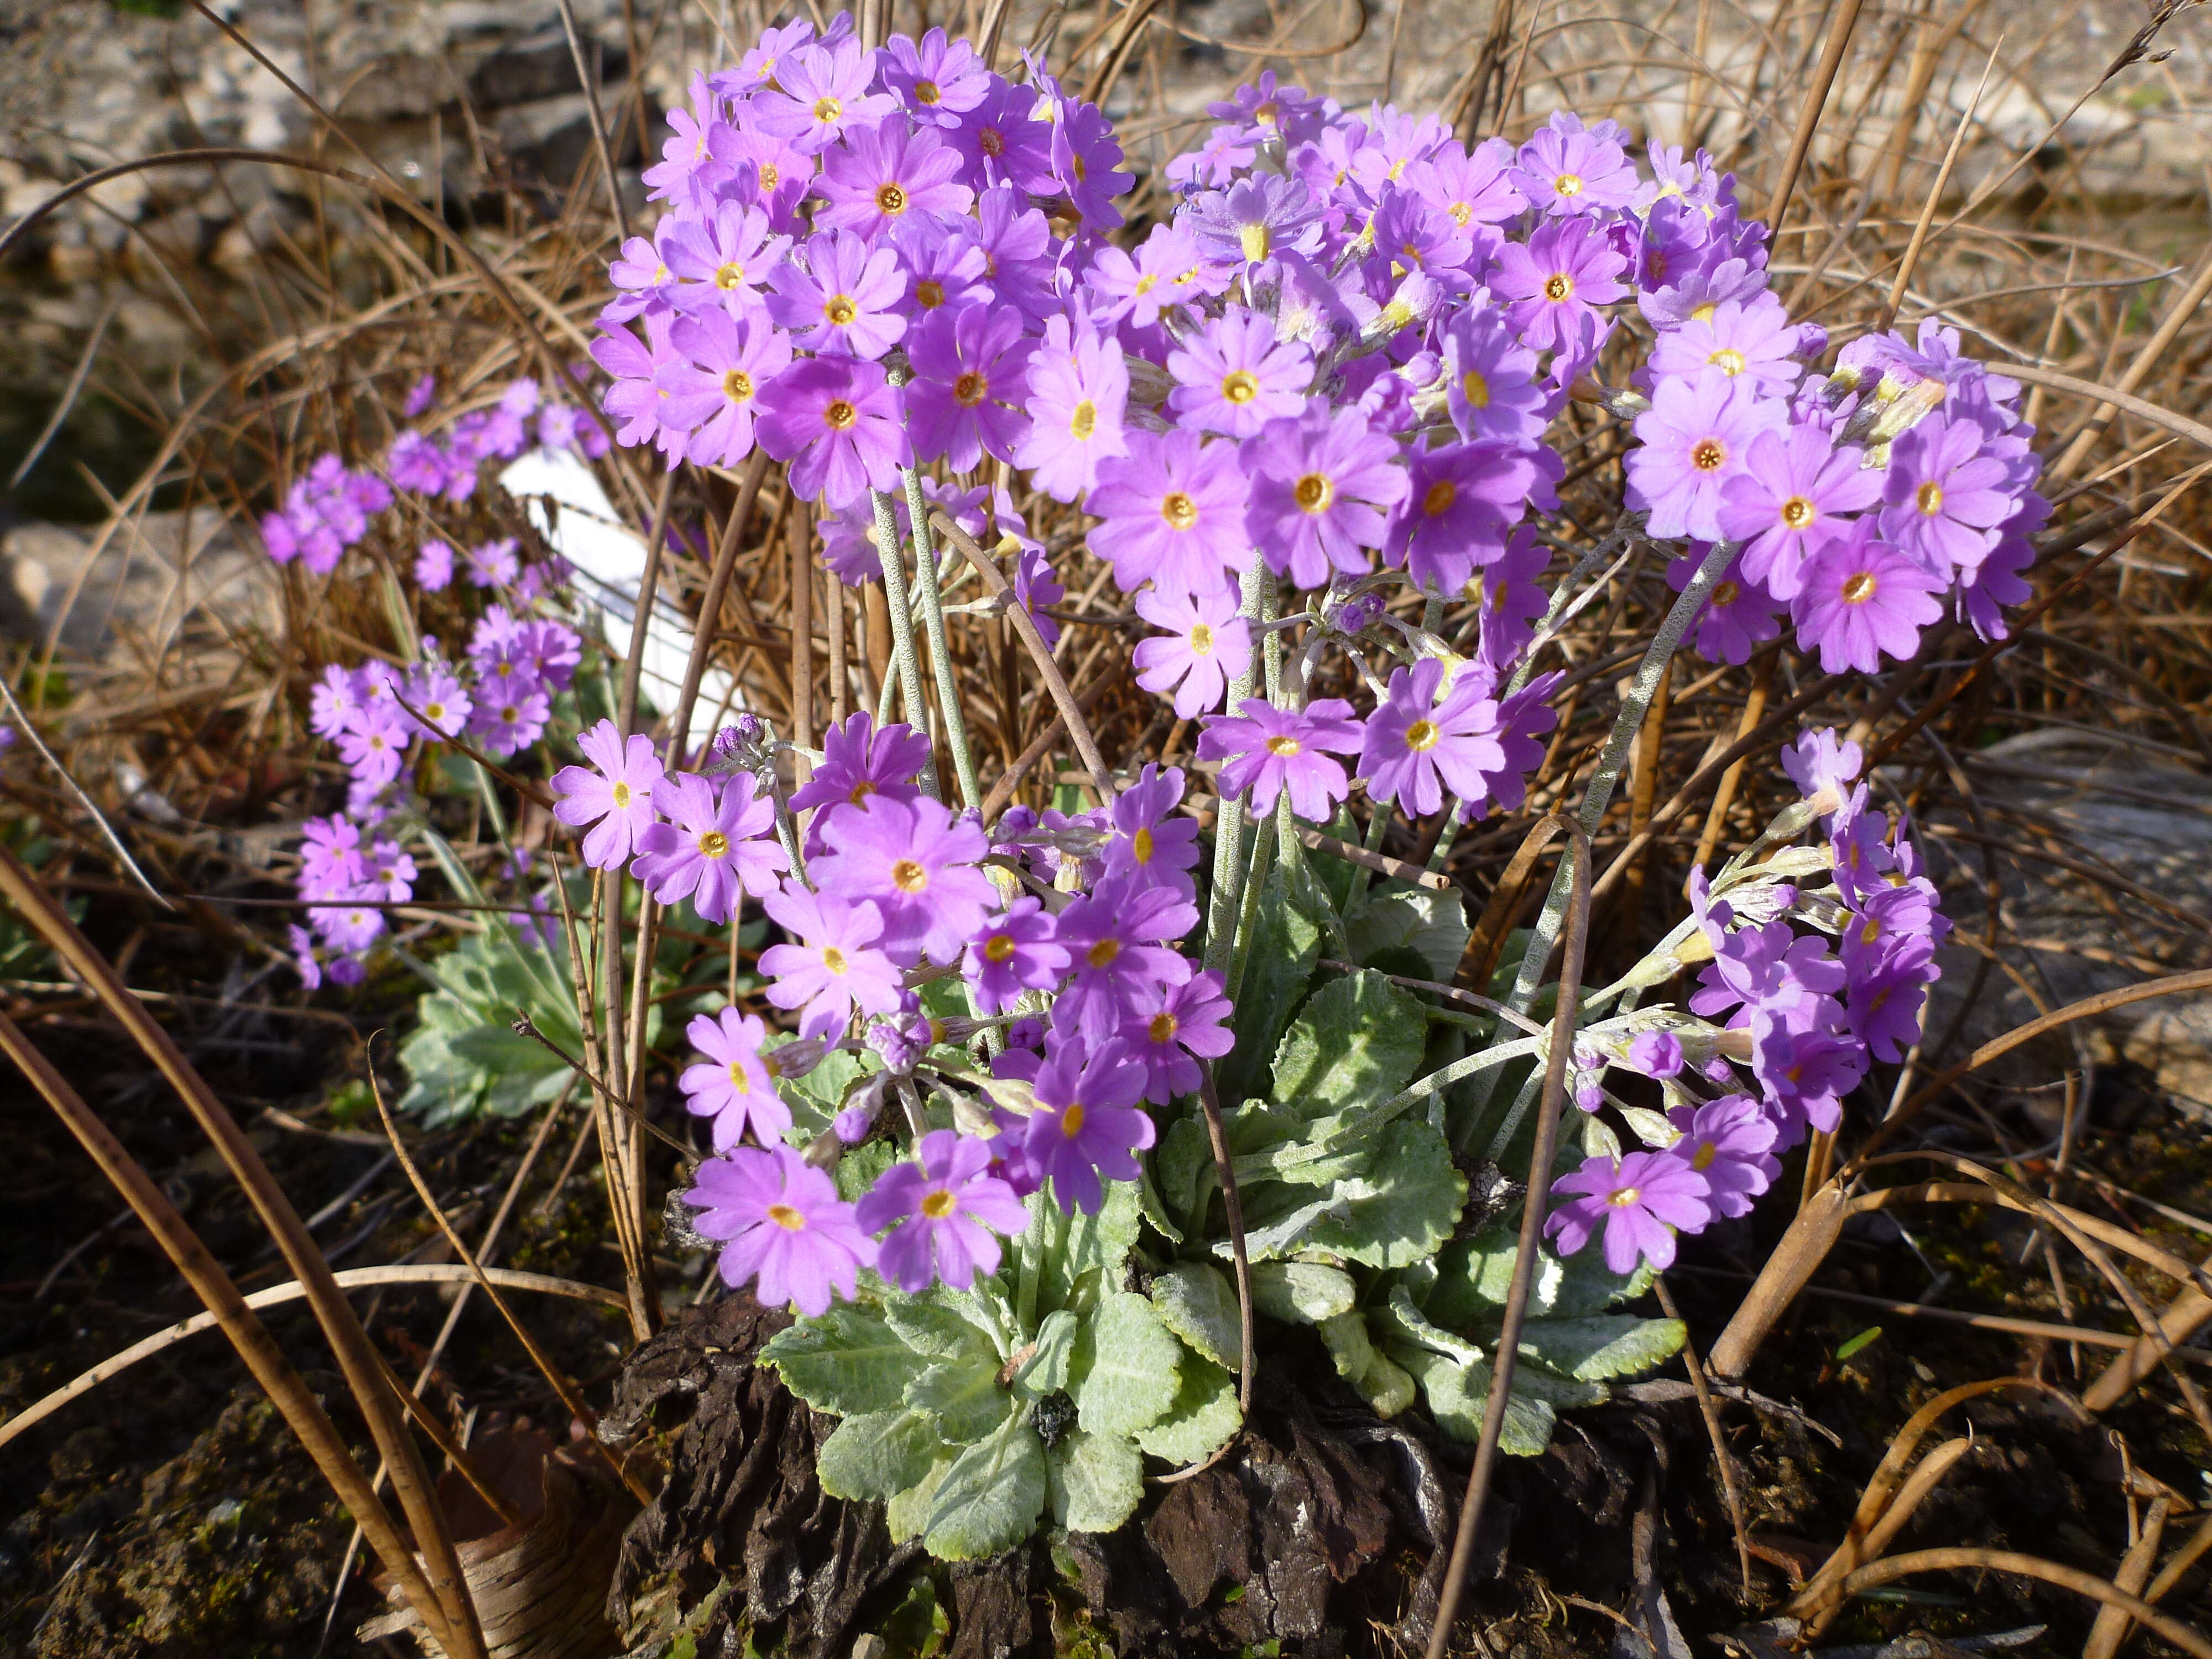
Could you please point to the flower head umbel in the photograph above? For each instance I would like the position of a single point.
(616, 798)
(784, 1228)
(943, 1210)
(1088, 1123)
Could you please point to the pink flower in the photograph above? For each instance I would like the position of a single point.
(723, 260)
(1166, 1025)
(1752, 338)
(1794, 497)
(835, 420)
(1322, 486)
(434, 566)
(1695, 436)
(1014, 953)
(1078, 388)
(843, 300)
(617, 798)
(1173, 511)
(1088, 1123)
(942, 1209)
(1460, 501)
(715, 383)
(964, 401)
(1086, 163)
(1269, 750)
(1415, 747)
(1234, 376)
(1863, 600)
(1943, 499)
(820, 93)
(714, 851)
(877, 177)
(838, 965)
(918, 864)
(1638, 1201)
(735, 1086)
(785, 1225)
(1567, 270)
(1208, 644)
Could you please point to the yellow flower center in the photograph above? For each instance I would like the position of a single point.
(1726, 594)
(1255, 240)
(929, 294)
(1240, 385)
(1082, 172)
(861, 791)
(1567, 184)
(968, 391)
(1266, 113)
(834, 960)
(1284, 746)
(1870, 932)
(1179, 510)
(769, 175)
(1201, 639)
(939, 1204)
(1421, 736)
(1702, 1159)
(713, 845)
(1623, 1198)
(1703, 313)
(890, 198)
(738, 385)
(909, 875)
(1440, 496)
(1462, 214)
(621, 795)
(1929, 496)
(729, 275)
(1084, 420)
(1070, 1120)
(1728, 361)
(1140, 845)
(999, 947)
(1313, 492)
(926, 92)
(1162, 1027)
(1146, 283)
(784, 1216)
(840, 309)
(737, 1076)
(828, 109)
(1558, 287)
(1798, 511)
(1476, 388)
(1102, 954)
(1708, 455)
(1859, 588)
(841, 416)
(435, 711)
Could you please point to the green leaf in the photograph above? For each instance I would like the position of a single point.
(1399, 916)
(907, 1513)
(1349, 1345)
(1865, 1339)
(1302, 1292)
(1127, 1366)
(1198, 1303)
(878, 1455)
(1182, 1168)
(848, 1361)
(929, 1327)
(1356, 1043)
(1097, 1480)
(961, 1388)
(1045, 1370)
(815, 1099)
(1402, 1209)
(1601, 1345)
(1400, 1324)
(1457, 1395)
(1092, 1256)
(1204, 1415)
(1285, 944)
(989, 1500)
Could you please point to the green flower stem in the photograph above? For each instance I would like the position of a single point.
(926, 577)
(1378, 826)
(1247, 917)
(891, 554)
(1530, 1091)
(1229, 820)
(1374, 1118)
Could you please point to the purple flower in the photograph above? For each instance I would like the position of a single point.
(1001, 144)
(1943, 499)
(735, 1086)
(1258, 218)
(1167, 1024)
(1739, 616)
(1513, 600)
(1752, 339)
(1078, 388)
(1693, 439)
(838, 965)
(1656, 1054)
(876, 177)
(844, 299)
(1152, 846)
(696, 158)
(1790, 500)
(617, 797)
(434, 566)
(858, 762)
(1564, 169)
(1233, 376)
(1862, 599)
(714, 386)
(1136, 287)
(1014, 953)
(1469, 189)
(1638, 1201)
(784, 1226)
(1889, 982)
(820, 93)
(938, 80)
(512, 717)
(1087, 1121)
(1416, 747)
(942, 270)
(1803, 1075)
(1036, 587)
(1567, 270)
(918, 863)
(945, 1205)
(1730, 1144)
(1208, 644)
(1086, 163)
(964, 401)
(715, 851)
(835, 420)
(374, 746)
(634, 399)
(353, 925)
(1490, 378)
(722, 260)
(1321, 487)
(1460, 501)
(437, 695)
(420, 396)
(1269, 750)
(1820, 761)
(1770, 971)
(642, 278)
(331, 861)
(1115, 939)
(1174, 514)
(493, 564)
(306, 956)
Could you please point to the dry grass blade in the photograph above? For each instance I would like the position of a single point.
(1818, 1603)
(1957, 1558)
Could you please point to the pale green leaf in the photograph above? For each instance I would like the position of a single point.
(1091, 1256)
(1598, 1347)
(1399, 1322)
(961, 1393)
(1402, 1208)
(878, 1455)
(1097, 1480)
(847, 1362)
(1457, 1395)
(907, 1513)
(1183, 1170)
(1431, 924)
(1199, 1304)
(1302, 1292)
(1127, 1366)
(1045, 1370)
(929, 1327)
(989, 1500)
(1285, 946)
(1349, 1345)
(1388, 1387)
(1204, 1415)
(1356, 1041)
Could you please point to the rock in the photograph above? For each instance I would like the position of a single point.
(149, 579)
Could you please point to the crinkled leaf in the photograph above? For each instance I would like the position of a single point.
(929, 1327)
(1399, 1322)
(1598, 1347)
(1127, 1366)
(989, 1500)
(1279, 1234)
(1402, 1208)
(878, 1455)
(1199, 1304)
(1285, 944)
(1045, 1370)
(907, 1513)
(1097, 1480)
(1302, 1292)
(1457, 1393)
(1356, 1043)
(1431, 924)
(960, 1391)
(1204, 1415)
(848, 1361)
(1182, 1166)
(1349, 1344)
(1091, 1260)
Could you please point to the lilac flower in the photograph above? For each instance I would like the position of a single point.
(722, 261)
(735, 1086)
(1882, 1003)
(694, 160)
(1692, 441)
(617, 798)
(819, 94)
(715, 850)
(552, 649)
(1167, 1024)
(417, 463)
(1469, 189)
(1803, 1075)
(374, 746)
(1997, 582)
(434, 566)
(1036, 587)
(331, 861)
(785, 1227)
(1116, 938)
(1001, 144)
(944, 271)
(1820, 762)
(642, 278)
(713, 386)
(1078, 388)
(1416, 747)
(1863, 599)
(1206, 645)
(838, 966)
(1564, 168)
(945, 1205)
(1739, 616)
(1522, 720)
(844, 299)
(1770, 970)
(1086, 163)
(438, 696)
(1730, 1144)
(1233, 377)
(1791, 499)
(1490, 378)
(1753, 339)
(860, 761)
(1656, 1054)
(1566, 269)
(1638, 1201)
(918, 863)
(1942, 497)
(1152, 846)
(876, 178)
(1012, 953)
(1269, 750)
(1322, 485)
(493, 564)
(420, 396)
(1088, 1123)
(306, 956)
(835, 420)
(634, 399)
(937, 80)
(1174, 514)
(1512, 600)
(1460, 501)
(510, 721)
(1136, 287)
(964, 400)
